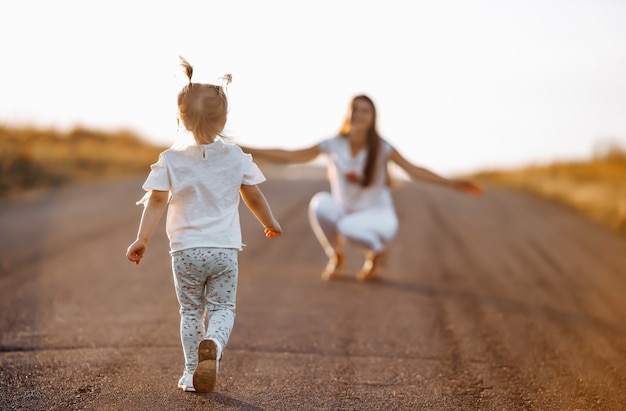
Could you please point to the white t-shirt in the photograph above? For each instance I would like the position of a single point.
(204, 183)
(344, 171)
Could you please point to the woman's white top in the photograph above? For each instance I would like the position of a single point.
(204, 183)
(345, 170)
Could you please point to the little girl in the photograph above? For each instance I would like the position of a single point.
(202, 183)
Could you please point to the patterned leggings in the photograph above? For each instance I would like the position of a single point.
(206, 288)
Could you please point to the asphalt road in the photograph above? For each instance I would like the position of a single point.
(502, 302)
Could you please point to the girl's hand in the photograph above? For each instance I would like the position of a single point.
(270, 233)
(136, 251)
(468, 187)
(274, 230)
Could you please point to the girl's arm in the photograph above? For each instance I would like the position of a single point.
(422, 174)
(156, 205)
(283, 156)
(256, 202)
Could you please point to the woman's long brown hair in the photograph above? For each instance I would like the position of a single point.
(372, 140)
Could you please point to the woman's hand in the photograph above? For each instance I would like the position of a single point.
(468, 187)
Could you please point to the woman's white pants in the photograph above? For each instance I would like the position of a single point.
(371, 229)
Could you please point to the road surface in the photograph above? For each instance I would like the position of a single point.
(502, 302)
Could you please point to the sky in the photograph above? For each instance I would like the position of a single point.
(460, 86)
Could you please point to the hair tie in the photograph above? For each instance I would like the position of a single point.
(226, 80)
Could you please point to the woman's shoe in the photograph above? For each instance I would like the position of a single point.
(334, 268)
(371, 267)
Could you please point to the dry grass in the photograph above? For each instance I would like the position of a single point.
(596, 187)
(32, 158)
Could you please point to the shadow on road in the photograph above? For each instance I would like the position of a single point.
(505, 305)
(230, 402)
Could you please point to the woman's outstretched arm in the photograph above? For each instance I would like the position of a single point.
(422, 174)
(283, 156)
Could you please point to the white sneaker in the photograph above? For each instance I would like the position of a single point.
(186, 382)
(205, 375)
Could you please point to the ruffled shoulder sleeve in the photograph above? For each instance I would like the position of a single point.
(158, 179)
(251, 173)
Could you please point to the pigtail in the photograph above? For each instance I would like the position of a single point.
(188, 68)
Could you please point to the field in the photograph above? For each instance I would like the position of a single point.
(33, 158)
(595, 187)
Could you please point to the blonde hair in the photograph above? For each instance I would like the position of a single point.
(202, 108)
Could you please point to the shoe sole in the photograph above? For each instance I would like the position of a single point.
(186, 388)
(205, 375)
